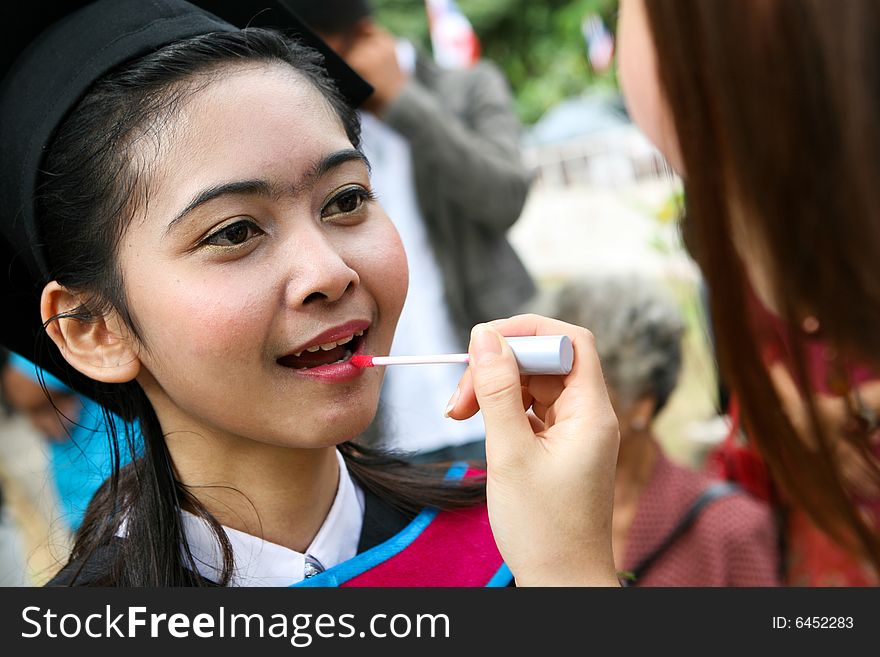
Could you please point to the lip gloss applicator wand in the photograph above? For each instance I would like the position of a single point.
(535, 354)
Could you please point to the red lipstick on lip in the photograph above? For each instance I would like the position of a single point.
(334, 372)
(334, 334)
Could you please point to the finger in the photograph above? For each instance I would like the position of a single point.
(583, 390)
(540, 410)
(497, 386)
(463, 403)
(467, 406)
(585, 358)
(527, 398)
(535, 422)
(584, 387)
(546, 389)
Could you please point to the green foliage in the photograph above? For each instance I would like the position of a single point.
(537, 43)
(626, 575)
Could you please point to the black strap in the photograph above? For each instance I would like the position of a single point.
(712, 492)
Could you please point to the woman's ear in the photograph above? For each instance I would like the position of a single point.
(101, 347)
(642, 413)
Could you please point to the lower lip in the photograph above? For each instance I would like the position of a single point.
(333, 373)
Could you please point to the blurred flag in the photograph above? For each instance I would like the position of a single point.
(453, 40)
(600, 43)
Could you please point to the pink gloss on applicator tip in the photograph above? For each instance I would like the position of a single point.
(365, 360)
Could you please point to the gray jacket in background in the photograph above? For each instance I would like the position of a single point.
(470, 182)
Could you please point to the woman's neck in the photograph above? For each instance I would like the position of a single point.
(635, 465)
(280, 494)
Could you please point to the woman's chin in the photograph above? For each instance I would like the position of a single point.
(336, 428)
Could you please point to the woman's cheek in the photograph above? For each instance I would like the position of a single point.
(392, 266)
(203, 321)
(640, 82)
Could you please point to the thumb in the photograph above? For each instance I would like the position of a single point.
(496, 381)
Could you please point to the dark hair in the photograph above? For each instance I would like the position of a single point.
(775, 106)
(94, 181)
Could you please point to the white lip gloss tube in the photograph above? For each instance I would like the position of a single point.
(543, 354)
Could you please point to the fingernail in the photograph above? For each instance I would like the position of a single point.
(452, 402)
(485, 343)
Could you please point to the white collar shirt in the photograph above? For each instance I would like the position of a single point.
(261, 563)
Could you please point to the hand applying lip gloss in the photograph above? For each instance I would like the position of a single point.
(551, 446)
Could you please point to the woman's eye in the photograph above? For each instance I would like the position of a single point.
(347, 201)
(234, 234)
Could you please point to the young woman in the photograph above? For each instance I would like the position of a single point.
(768, 110)
(190, 200)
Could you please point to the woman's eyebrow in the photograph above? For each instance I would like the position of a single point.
(331, 162)
(267, 189)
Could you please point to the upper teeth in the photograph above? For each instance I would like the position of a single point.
(327, 346)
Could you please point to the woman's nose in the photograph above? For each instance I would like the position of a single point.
(321, 272)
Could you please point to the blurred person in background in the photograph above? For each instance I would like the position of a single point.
(13, 565)
(444, 150)
(672, 526)
(72, 425)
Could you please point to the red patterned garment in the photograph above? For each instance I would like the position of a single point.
(814, 559)
(733, 542)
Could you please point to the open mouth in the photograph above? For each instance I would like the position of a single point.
(330, 353)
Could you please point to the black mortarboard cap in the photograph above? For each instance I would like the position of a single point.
(52, 52)
(330, 16)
